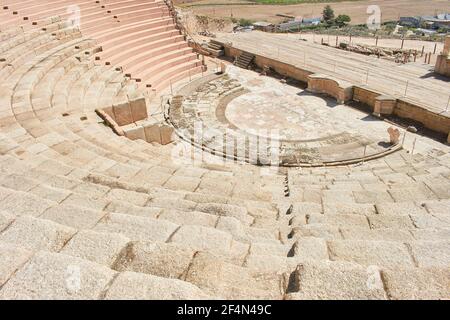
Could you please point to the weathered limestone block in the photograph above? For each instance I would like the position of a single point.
(159, 133)
(380, 253)
(138, 109)
(233, 227)
(311, 248)
(215, 186)
(109, 111)
(5, 220)
(443, 65)
(12, 258)
(228, 281)
(73, 216)
(339, 220)
(402, 208)
(122, 114)
(101, 248)
(130, 285)
(168, 260)
(86, 201)
(167, 134)
(394, 135)
(136, 228)
(22, 203)
(274, 249)
(136, 198)
(152, 133)
(268, 263)
(384, 105)
(37, 234)
(431, 253)
(447, 46)
(443, 60)
(50, 193)
(319, 231)
(206, 198)
(189, 217)
(120, 206)
(335, 280)
(203, 239)
(134, 132)
(57, 276)
(381, 234)
(349, 208)
(108, 116)
(417, 283)
(237, 212)
(170, 203)
(182, 183)
(398, 221)
(438, 207)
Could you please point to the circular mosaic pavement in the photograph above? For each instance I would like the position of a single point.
(240, 114)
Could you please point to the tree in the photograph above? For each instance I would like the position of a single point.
(342, 20)
(328, 14)
(245, 22)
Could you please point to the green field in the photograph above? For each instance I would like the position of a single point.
(295, 1)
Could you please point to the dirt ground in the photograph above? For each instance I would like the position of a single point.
(427, 46)
(412, 80)
(390, 9)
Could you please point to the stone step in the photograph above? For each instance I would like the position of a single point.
(343, 280)
(59, 276)
(231, 282)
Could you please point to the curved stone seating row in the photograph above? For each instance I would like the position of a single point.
(259, 261)
(65, 149)
(145, 27)
(203, 110)
(72, 194)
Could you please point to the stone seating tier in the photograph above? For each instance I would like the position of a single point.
(138, 224)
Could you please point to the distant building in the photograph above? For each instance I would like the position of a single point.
(312, 21)
(286, 26)
(263, 26)
(410, 22)
(440, 21)
(428, 22)
(300, 22)
(426, 31)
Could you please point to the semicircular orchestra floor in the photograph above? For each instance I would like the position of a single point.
(244, 116)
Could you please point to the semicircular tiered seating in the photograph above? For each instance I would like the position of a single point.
(204, 105)
(86, 214)
(138, 35)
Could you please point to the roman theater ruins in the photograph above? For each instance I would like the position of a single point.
(138, 163)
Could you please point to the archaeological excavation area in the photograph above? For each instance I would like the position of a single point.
(137, 164)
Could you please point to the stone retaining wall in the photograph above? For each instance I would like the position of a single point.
(443, 65)
(443, 60)
(281, 68)
(433, 121)
(377, 101)
(342, 91)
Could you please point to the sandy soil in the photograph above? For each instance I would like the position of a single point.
(386, 43)
(390, 9)
(415, 80)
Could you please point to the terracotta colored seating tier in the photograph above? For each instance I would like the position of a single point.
(138, 35)
(87, 214)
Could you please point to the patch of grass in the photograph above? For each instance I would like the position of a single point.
(245, 22)
(287, 2)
